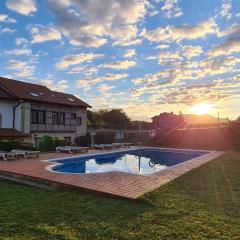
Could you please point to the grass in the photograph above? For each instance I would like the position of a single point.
(202, 204)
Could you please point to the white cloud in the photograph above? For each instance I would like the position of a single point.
(71, 60)
(21, 68)
(192, 51)
(41, 33)
(89, 24)
(19, 52)
(104, 87)
(120, 64)
(114, 77)
(129, 53)
(225, 10)
(56, 86)
(24, 7)
(227, 48)
(5, 18)
(21, 41)
(7, 30)
(167, 58)
(171, 9)
(178, 33)
(162, 46)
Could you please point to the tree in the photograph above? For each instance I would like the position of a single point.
(112, 119)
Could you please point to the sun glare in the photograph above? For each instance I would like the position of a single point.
(202, 108)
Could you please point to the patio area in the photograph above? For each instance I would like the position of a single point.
(115, 184)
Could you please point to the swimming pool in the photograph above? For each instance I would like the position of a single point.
(137, 161)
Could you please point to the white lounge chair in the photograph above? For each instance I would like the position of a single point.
(98, 146)
(3, 156)
(8, 156)
(117, 145)
(108, 146)
(71, 149)
(25, 153)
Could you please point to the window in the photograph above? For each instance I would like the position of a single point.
(61, 118)
(55, 117)
(79, 121)
(38, 116)
(71, 100)
(34, 116)
(73, 116)
(41, 117)
(58, 118)
(34, 94)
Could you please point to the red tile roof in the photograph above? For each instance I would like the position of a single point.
(5, 95)
(26, 91)
(11, 133)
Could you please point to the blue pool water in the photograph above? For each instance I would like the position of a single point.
(141, 161)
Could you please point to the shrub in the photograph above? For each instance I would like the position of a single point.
(61, 142)
(83, 141)
(104, 137)
(8, 145)
(47, 143)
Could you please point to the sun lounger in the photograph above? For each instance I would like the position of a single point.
(3, 156)
(8, 156)
(117, 145)
(72, 149)
(25, 153)
(98, 146)
(108, 146)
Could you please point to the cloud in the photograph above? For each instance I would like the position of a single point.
(87, 82)
(178, 33)
(19, 52)
(167, 58)
(162, 46)
(22, 69)
(114, 77)
(89, 24)
(21, 41)
(225, 9)
(24, 7)
(71, 60)
(171, 9)
(120, 64)
(5, 18)
(7, 30)
(227, 48)
(41, 33)
(191, 51)
(129, 53)
(56, 86)
(104, 87)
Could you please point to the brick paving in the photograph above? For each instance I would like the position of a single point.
(116, 184)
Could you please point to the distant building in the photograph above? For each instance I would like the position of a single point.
(31, 111)
(167, 120)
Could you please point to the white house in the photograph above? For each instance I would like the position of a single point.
(31, 111)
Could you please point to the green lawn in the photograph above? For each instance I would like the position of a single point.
(202, 204)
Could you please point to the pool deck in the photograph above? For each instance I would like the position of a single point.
(115, 184)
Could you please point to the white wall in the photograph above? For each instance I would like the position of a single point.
(18, 118)
(81, 130)
(6, 110)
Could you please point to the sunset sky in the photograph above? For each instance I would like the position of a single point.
(143, 56)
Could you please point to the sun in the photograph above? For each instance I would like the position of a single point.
(201, 108)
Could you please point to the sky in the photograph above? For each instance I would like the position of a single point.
(144, 56)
